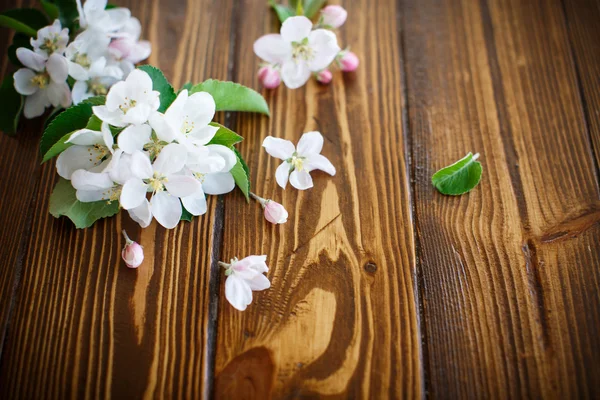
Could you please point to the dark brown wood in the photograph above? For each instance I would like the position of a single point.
(340, 319)
(509, 273)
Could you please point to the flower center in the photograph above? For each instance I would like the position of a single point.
(41, 80)
(157, 182)
(83, 60)
(154, 147)
(100, 150)
(112, 194)
(97, 88)
(302, 51)
(127, 105)
(199, 176)
(187, 126)
(297, 162)
(50, 44)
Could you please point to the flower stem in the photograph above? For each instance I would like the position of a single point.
(224, 265)
(259, 199)
(127, 240)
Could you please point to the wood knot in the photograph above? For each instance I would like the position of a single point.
(370, 267)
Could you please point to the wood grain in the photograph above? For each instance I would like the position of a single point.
(83, 325)
(340, 319)
(510, 271)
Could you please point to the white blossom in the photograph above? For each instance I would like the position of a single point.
(243, 277)
(98, 79)
(51, 39)
(298, 50)
(298, 162)
(93, 15)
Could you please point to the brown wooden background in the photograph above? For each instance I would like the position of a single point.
(382, 288)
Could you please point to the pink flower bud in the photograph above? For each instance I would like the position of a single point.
(334, 16)
(324, 76)
(133, 253)
(269, 77)
(275, 213)
(348, 61)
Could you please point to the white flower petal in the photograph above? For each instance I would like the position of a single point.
(23, 83)
(85, 137)
(294, 29)
(175, 112)
(218, 183)
(237, 292)
(36, 104)
(282, 174)
(200, 109)
(318, 161)
(227, 154)
(58, 68)
(166, 209)
(294, 74)
(112, 117)
(203, 135)
(310, 143)
(89, 196)
(137, 115)
(107, 138)
(74, 158)
(80, 92)
(142, 214)
(325, 48)
(78, 72)
(133, 193)
(161, 126)
(301, 180)
(259, 282)
(171, 159)
(31, 60)
(85, 180)
(182, 185)
(279, 148)
(118, 18)
(273, 49)
(134, 137)
(195, 204)
(141, 166)
(59, 94)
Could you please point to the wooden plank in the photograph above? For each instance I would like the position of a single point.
(83, 325)
(340, 318)
(510, 271)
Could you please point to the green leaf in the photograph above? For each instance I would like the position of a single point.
(283, 12)
(230, 96)
(460, 177)
(185, 214)
(187, 86)
(241, 174)
(225, 136)
(34, 19)
(73, 118)
(51, 9)
(12, 106)
(18, 26)
(67, 13)
(63, 201)
(161, 85)
(55, 111)
(312, 7)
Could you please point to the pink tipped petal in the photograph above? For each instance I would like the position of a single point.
(310, 143)
(301, 180)
(273, 49)
(166, 209)
(294, 29)
(282, 174)
(279, 148)
(334, 16)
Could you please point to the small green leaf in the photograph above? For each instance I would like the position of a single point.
(225, 136)
(18, 26)
(312, 7)
(12, 102)
(283, 12)
(161, 85)
(187, 86)
(241, 174)
(63, 201)
(460, 177)
(32, 18)
(52, 115)
(185, 214)
(73, 118)
(51, 9)
(230, 96)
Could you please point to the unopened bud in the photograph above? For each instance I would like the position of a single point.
(269, 77)
(348, 61)
(334, 16)
(133, 253)
(324, 76)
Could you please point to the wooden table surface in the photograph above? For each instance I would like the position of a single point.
(381, 287)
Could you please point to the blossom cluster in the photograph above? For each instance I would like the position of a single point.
(302, 50)
(159, 162)
(101, 54)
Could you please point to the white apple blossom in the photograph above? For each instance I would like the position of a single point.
(83, 51)
(51, 39)
(298, 162)
(90, 148)
(43, 81)
(127, 49)
(165, 183)
(131, 101)
(99, 78)
(298, 50)
(187, 119)
(243, 277)
(93, 15)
